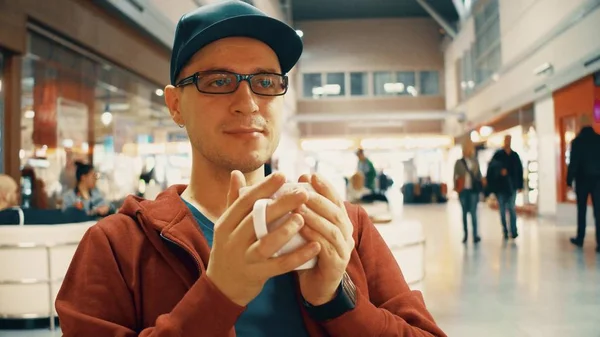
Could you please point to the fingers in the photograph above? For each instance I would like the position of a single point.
(236, 182)
(270, 244)
(325, 189)
(276, 209)
(305, 178)
(329, 236)
(331, 212)
(243, 204)
(290, 261)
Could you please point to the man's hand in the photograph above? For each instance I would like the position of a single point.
(484, 182)
(239, 264)
(328, 224)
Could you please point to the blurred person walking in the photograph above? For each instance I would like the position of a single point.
(469, 183)
(584, 171)
(505, 175)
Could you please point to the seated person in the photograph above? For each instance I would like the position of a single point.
(85, 196)
(9, 192)
(356, 188)
(357, 192)
(9, 201)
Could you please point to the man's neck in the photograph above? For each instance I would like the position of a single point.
(508, 150)
(4, 205)
(209, 186)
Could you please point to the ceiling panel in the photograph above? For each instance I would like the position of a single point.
(365, 9)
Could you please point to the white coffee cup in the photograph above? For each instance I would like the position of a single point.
(262, 228)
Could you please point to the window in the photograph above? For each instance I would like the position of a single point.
(383, 83)
(409, 81)
(358, 84)
(335, 84)
(312, 85)
(429, 82)
(395, 83)
(487, 52)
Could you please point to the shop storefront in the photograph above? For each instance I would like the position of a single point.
(86, 89)
(575, 106)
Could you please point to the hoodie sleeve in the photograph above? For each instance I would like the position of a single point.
(94, 300)
(390, 308)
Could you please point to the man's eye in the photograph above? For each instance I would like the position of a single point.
(266, 83)
(220, 82)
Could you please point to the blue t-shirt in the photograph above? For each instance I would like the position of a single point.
(275, 311)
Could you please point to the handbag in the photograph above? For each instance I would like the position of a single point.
(459, 184)
(476, 184)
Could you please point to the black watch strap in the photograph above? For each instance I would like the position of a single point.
(344, 301)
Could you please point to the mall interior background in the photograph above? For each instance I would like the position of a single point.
(407, 80)
(487, 69)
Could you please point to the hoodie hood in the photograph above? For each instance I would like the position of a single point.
(168, 219)
(161, 212)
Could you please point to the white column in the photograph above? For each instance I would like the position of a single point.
(547, 149)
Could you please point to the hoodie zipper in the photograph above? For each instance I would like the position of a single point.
(198, 264)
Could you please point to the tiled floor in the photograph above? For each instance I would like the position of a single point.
(535, 286)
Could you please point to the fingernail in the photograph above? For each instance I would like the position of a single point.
(298, 221)
(298, 190)
(303, 209)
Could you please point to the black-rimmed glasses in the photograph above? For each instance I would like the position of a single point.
(225, 82)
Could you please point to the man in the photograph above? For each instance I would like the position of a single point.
(189, 263)
(506, 170)
(9, 192)
(9, 200)
(368, 170)
(584, 170)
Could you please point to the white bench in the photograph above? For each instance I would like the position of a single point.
(33, 262)
(407, 243)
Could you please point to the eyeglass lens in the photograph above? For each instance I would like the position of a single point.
(220, 83)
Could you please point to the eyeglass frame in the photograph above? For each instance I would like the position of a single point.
(193, 79)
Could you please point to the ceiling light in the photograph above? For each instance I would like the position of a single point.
(393, 88)
(486, 131)
(67, 143)
(412, 90)
(29, 114)
(106, 118)
(159, 92)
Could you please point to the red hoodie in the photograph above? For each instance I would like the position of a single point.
(142, 273)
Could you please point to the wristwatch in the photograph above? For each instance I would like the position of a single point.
(344, 301)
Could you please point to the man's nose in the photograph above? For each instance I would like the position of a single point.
(244, 100)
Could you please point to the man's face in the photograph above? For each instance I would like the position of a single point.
(507, 142)
(9, 192)
(237, 131)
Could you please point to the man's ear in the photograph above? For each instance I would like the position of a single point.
(173, 102)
